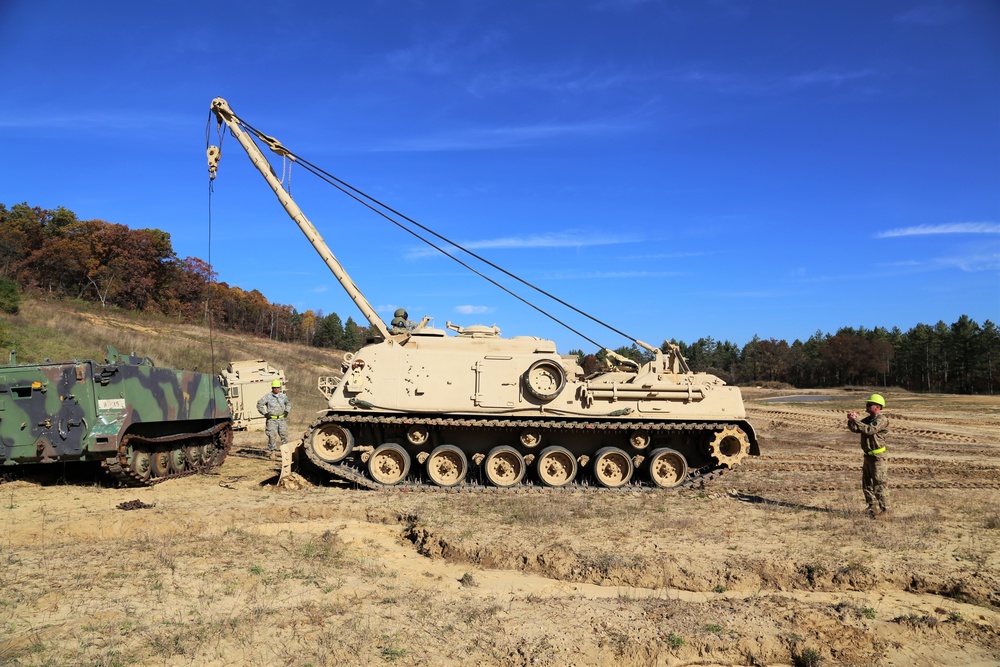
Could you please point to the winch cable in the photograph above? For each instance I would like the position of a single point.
(375, 206)
(459, 261)
(208, 282)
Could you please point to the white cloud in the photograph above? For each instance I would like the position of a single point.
(740, 84)
(948, 228)
(972, 263)
(570, 275)
(473, 310)
(553, 240)
(506, 137)
(569, 239)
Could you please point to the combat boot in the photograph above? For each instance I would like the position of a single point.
(272, 455)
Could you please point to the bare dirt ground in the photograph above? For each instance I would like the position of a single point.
(775, 563)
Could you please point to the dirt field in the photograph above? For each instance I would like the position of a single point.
(774, 563)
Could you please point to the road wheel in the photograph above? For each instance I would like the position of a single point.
(208, 453)
(178, 462)
(556, 467)
(504, 467)
(193, 454)
(447, 465)
(667, 468)
(331, 443)
(612, 467)
(389, 464)
(141, 463)
(159, 463)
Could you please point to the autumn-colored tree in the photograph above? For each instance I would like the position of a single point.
(308, 327)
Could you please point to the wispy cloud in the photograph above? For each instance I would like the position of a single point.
(567, 239)
(93, 121)
(743, 84)
(948, 228)
(971, 263)
(575, 275)
(562, 81)
(441, 55)
(507, 137)
(473, 310)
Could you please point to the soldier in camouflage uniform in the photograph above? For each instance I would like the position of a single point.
(873, 429)
(275, 407)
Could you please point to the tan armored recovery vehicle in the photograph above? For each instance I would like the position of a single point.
(244, 383)
(420, 406)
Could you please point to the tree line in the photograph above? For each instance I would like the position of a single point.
(958, 358)
(52, 252)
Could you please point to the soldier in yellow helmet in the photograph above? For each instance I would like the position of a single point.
(275, 408)
(873, 429)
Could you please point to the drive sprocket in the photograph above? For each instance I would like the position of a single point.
(729, 446)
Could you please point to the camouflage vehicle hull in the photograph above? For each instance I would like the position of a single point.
(144, 424)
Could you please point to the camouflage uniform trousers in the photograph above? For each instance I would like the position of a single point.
(874, 476)
(276, 428)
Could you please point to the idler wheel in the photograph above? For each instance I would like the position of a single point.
(141, 463)
(729, 446)
(504, 467)
(389, 464)
(331, 443)
(556, 466)
(612, 467)
(667, 468)
(447, 465)
(159, 463)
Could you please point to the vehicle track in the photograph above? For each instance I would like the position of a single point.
(200, 452)
(351, 469)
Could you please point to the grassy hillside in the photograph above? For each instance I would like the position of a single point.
(68, 330)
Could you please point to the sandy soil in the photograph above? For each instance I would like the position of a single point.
(775, 563)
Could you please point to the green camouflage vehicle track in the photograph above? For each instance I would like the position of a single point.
(143, 423)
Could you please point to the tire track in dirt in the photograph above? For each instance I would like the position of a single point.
(798, 419)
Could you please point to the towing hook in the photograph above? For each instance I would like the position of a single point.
(213, 153)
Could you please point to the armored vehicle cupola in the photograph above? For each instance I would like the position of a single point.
(475, 330)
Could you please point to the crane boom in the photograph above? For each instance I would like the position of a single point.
(224, 114)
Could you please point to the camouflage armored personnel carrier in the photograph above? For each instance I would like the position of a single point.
(144, 424)
(417, 406)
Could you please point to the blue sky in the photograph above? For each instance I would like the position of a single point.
(675, 169)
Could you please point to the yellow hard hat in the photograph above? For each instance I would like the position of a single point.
(277, 383)
(876, 399)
